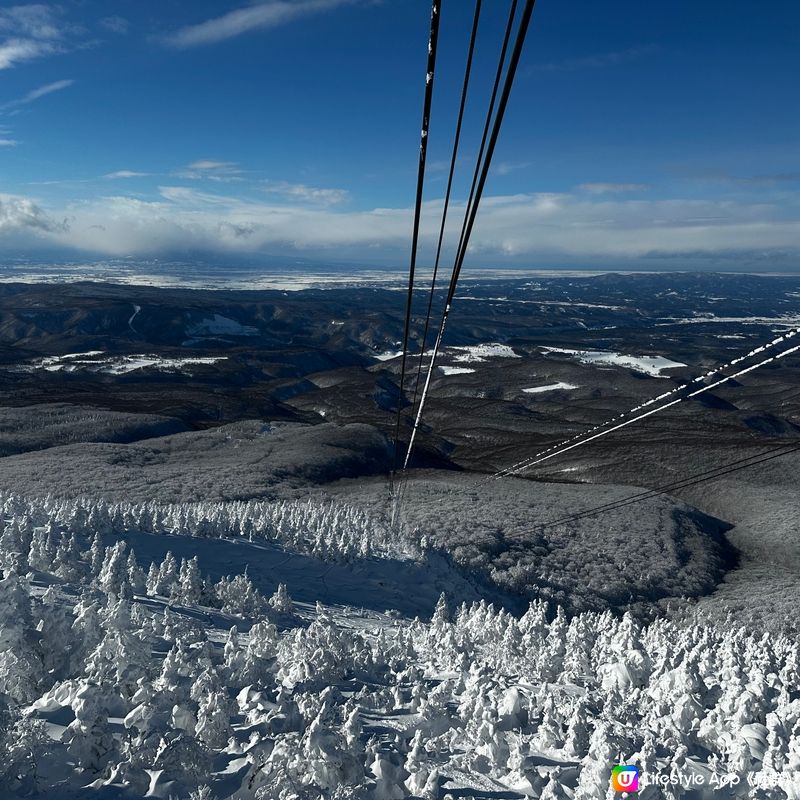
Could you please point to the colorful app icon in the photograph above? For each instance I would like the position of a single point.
(625, 778)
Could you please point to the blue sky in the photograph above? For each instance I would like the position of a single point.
(638, 134)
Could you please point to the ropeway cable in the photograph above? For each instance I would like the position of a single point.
(717, 370)
(423, 151)
(453, 158)
(488, 143)
(693, 480)
(533, 461)
(472, 210)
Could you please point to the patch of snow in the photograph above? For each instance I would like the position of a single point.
(786, 320)
(136, 310)
(456, 370)
(550, 387)
(132, 363)
(649, 365)
(566, 303)
(388, 355)
(480, 352)
(114, 365)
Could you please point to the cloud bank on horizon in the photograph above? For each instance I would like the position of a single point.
(276, 128)
(537, 229)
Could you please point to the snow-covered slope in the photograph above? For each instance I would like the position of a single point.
(120, 682)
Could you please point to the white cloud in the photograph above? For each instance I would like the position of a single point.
(307, 194)
(209, 169)
(41, 91)
(612, 188)
(507, 167)
(205, 164)
(115, 24)
(33, 31)
(35, 20)
(49, 88)
(125, 173)
(8, 142)
(21, 213)
(15, 51)
(262, 16)
(531, 229)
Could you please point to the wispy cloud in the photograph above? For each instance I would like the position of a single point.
(125, 173)
(35, 94)
(115, 24)
(507, 167)
(262, 16)
(307, 194)
(8, 142)
(612, 188)
(16, 51)
(32, 31)
(600, 59)
(209, 169)
(36, 20)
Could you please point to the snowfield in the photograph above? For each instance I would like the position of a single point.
(649, 365)
(478, 353)
(550, 387)
(456, 370)
(389, 355)
(127, 671)
(97, 362)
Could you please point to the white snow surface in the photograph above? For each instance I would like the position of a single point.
(163, 683)
(550, 387)
(481, 352)
(96, 361)
(784, 321)
(456, 370)
(388, 355)
(649, 365)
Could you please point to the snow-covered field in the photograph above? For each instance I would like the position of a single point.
(478, 353)
(389, 355)
(456, 370)
(649, 365)
(97, 361)
(550, 387)
(785, 321)
(128, 671)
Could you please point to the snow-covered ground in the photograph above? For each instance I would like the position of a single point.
(481, 352)
(456, 370)
(389, 355)
(550, 387)
(97, 361)
(649, 365)
(134, 666)
(785, 321)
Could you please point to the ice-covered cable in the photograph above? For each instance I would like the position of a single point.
(564, 449)
(482, 175)
(524, 463)
(423, 151)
